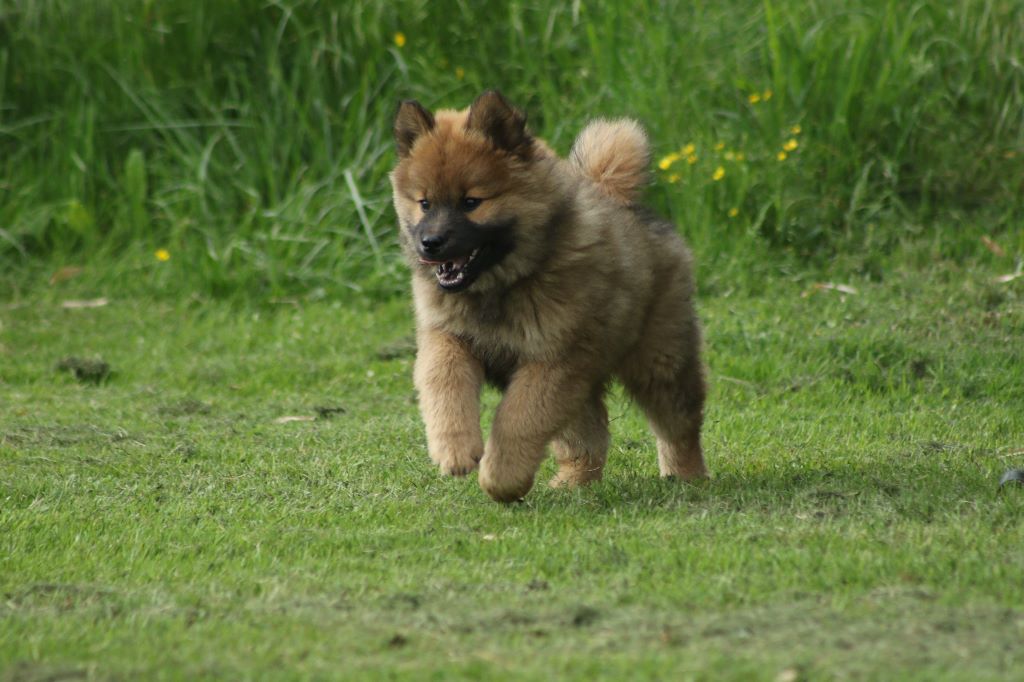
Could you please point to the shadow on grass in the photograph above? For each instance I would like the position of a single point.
(906, 489)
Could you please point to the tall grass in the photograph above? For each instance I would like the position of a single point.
(252, 140)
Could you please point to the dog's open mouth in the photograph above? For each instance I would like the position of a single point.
(456, 273)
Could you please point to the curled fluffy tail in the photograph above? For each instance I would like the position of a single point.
(615, 155)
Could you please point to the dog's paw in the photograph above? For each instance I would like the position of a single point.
(458, 456)
(459, 467)
(501, 485)
(694, 473)
(698, 476)
(575, 474)
(506, 492)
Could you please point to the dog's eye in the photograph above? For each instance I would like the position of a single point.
(469, 203)
(425, 204)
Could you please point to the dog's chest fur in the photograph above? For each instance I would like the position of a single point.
(532, 322)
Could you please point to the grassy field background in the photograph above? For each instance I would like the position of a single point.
(212, 176)
(165, 523)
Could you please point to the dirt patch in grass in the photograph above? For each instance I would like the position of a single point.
(61, 597)
(886, 630)
(25, 671)
(186, 407)
(86, 370)
(63, 435)
(404, 347)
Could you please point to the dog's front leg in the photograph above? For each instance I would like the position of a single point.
(448, 378)
(539, 401)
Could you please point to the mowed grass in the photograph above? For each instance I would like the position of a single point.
(164, 524)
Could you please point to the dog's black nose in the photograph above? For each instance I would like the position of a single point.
(433, 242)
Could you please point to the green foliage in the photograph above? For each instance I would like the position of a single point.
(252, 140)
(134, 187)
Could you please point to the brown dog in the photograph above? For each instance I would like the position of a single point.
(542, 276)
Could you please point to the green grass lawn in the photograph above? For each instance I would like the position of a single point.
(163, 523)
(174, 520)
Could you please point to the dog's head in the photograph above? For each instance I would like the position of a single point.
(467, 190)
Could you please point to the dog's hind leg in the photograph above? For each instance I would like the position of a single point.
(674, 409)
(582, 447)
(665, 377)
(675, 415)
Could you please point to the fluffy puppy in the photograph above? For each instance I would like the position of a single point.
(545, 278)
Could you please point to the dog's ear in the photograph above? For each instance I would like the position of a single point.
(503, 124)
(411, 121)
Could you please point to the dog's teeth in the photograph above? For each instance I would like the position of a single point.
(453, 272)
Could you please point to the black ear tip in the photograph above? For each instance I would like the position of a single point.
(492, 94)
(505, 125)
(412, 110)
(405, 104)
(493, 103)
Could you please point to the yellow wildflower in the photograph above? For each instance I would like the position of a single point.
(688, 150)
(790, 145)
(674, 178)
(754, 98)
(796, 130)
(719, 146)
(691, 159)
(667, 161)
(460, 73)
(740, 156)
(718, 174)
(400, 39)
(729, 155)
(163, 255)
(781, 156)
(767, 95)
(733, 212)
